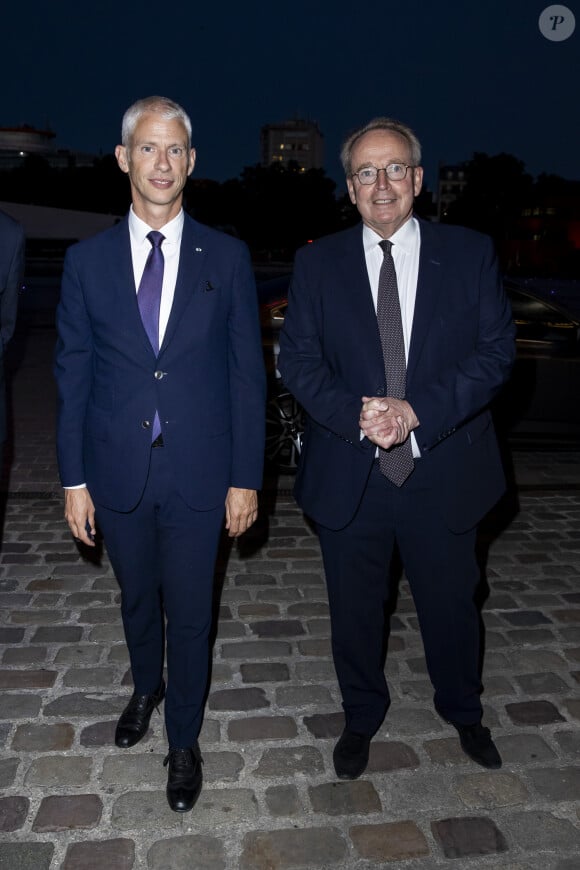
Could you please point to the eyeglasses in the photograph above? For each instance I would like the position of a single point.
(394, 172)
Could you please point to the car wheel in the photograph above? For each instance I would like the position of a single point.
(284, 430)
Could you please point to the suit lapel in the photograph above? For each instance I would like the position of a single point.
(128, 308)
(192, 255)
(428, 284)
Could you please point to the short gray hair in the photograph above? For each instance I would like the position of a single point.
(391, 126)
(163, 106)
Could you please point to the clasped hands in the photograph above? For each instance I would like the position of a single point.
(386, 421)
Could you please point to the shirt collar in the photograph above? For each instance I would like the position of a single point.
(139, 230)
(405, 238)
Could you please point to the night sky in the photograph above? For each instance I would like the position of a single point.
(467, 76)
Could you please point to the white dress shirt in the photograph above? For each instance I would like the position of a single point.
(406, 248)
(140, 250)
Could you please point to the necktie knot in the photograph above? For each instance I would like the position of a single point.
(156, 238)
(386, 245)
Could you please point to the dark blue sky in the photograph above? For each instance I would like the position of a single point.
(467, 76)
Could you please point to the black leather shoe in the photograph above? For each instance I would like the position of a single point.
(134, 720)
(184, 778)
(351, 754)
(477, 743)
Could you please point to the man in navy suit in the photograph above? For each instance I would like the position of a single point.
(161, 428)
(452, 332)
(11, 272)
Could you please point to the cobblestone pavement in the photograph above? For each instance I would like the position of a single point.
(71, 800)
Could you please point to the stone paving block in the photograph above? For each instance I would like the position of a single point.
(255, 580)
(416, 690)
(119, 654)
(393, 755)
(229, 630)
(526, 617)
(266, 672)
(177, 852)
(107, 633)
(262, 728)
(292, 849)
(103, 734)
(68, 812)
(84, 655)
(523, 637)
(57, 634)
(308, 609)
(394, 841)
(303, 696)
(86, 705)
(24, 655)
(88, 677)
(43, 738)
(542, 684)
(466, 836)
(274, 628)
(86, 599)
(11, 635)
(14, 706)
(573, 708)
(59, 771)
(27, 856)
(538, 831)
(536, 660)
(283, 800)
(303, 578)
(556, 783)
(288, 762)
(533, 713)
(324, 725)
(221, 673)
(27, 679)
(256, 649)
(100, 855)
(569, 742)
(344, 798)
(255, 609)
(490, 790)
(132, 769)
(570, 615)
(210, 731)
(8, 768)
(411, 720)
(446, 751)
(523, 748)
(60, 584)
(276, 594)
(238, 699)
(222, 766)
(13, 812)
(315, 671)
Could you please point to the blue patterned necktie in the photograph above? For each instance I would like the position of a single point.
(149, 300)
(397, 462)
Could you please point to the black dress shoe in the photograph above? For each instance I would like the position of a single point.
(184, 778)
(477, 743)
(134, 720)
(351, 754)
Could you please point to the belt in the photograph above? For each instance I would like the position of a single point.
(158, 442)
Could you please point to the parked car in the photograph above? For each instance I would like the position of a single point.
(539, 404)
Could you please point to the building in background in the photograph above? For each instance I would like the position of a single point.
(297, 140)
(18, 143)
(450, 183)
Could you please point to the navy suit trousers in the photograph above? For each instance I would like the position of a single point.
(163, 554)
(443, 575)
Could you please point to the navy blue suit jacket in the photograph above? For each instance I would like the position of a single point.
(461, 351)
(207, 382)
(11, 272)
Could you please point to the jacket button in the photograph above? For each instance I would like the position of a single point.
(146, 424)
(158, 375)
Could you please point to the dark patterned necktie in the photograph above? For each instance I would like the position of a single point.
(149, 300)
(397, 462)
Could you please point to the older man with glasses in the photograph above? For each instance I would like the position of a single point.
(397, 336)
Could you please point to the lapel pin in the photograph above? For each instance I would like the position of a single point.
(199, 249)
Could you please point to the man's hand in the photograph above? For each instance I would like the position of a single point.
(386, 421)
(241, 510)
(79, 512)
